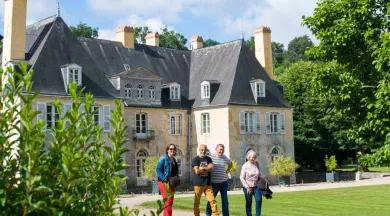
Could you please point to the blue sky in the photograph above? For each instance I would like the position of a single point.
(221, 20)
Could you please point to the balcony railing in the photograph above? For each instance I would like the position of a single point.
(143, 134)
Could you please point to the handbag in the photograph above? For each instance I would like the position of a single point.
(174, 181)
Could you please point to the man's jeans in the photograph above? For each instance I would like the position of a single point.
(220, 187)
(248, 200)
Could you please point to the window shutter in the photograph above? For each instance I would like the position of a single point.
(282, 123)
(41, 107)
(67, 107)
(170, 123)
(268, 122)
(257, 123)
(106, 118)
(180, 126)
(80, 79)
(253, 86)
(242, 122)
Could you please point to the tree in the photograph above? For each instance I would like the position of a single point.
(250, 43)
(172, 39)
(277, 53)
(210, 42)
(296, 49)
(83, 30)
(355, 34)
(140, 33)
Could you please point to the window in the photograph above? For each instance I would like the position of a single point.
(52, 116)
(175, 124)
(260, 89)
(140, 91)
(205, 90)
(275, 153)
(152, 92)
(96, 114)
(250, 122)
(175, 90)
(179, 159)
(205, 123)
(74, 75)
(126, 66)
(140, 159)
(141, 123)
(275, 122)
(128, 90)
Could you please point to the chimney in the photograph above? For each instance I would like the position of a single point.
(125, 35)
(263, 49)
(196, 42)
(14, 42)
(152, 39)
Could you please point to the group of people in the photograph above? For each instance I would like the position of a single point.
(210, 178)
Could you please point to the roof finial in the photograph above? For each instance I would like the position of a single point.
(58, 8)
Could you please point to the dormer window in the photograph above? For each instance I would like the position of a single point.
(140, 91)
(152, 92)
(205, 90)
(128, 90)
(174, 91)
(70, 73)
(258, 88)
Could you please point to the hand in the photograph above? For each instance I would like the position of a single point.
(250, 191)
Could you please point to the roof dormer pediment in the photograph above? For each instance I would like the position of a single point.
(140, 73)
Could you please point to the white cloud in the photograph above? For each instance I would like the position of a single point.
(107, 34)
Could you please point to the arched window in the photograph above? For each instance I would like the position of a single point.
(128, 90)
(152, 92)
(140, 91)
(140, 162)
(275, 152)
(179, 159)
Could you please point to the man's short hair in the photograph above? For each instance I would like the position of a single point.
(219, 145)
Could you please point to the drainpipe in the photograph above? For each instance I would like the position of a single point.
(189, 145)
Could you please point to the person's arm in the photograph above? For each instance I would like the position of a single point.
(210, 166)
(243, 176)
(160, 169)
(195, 166)
(230, 165)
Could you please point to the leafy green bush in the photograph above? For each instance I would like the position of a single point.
(150, 167)
(67, 171)
(234, 166)
(283, 166)
(330, 163)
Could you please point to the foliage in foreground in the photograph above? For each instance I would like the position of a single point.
(67, 171)
(283, 166)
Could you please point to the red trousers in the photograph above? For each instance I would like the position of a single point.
(169, 202)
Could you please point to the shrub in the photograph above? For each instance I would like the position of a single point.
(283, 166)
(67, 171)
(150, 167)
(330, 163)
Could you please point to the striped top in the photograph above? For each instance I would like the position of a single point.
(219, 175)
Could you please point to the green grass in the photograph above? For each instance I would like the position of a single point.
(367, 200)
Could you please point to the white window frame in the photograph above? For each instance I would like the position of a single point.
(256, 85)
(152, 92)
(54, 116)
(175, 124)
(140, 91)
(174, 90)
(205, 121)
(250, 122)
(140, 159)
(128, 90)
(72, 70)
(205, 90)
(96, 114)
(275, 122)
(179, 159)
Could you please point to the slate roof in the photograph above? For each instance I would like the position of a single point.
(50, 44)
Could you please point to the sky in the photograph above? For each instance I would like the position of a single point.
(221, 20)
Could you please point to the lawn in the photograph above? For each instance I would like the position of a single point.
(372, 169)
(368, 200)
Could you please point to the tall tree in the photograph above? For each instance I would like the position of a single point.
(296, 49)
(250, 43)
(277, 53)
(172, 39)
(355, 33)
(210, 42)
(140, 33)
(83, 30)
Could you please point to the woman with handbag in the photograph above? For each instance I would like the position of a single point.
(168, 177)
(250, 175)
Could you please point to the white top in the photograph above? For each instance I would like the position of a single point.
(250, 174)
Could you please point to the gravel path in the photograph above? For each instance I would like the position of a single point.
(136, 200)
